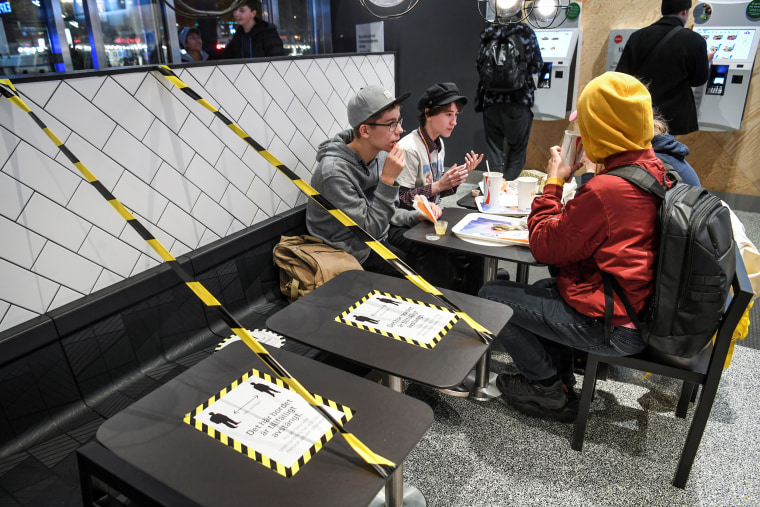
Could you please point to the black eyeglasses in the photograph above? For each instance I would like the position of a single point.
(391, 126)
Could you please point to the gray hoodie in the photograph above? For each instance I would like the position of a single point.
(355, 188)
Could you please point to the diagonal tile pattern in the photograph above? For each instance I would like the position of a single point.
(164, 156)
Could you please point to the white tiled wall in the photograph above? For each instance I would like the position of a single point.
(176, 167)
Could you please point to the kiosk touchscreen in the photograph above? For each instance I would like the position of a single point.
(722, 103)
(733, 36)
(557, 80)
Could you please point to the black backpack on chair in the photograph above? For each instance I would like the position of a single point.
(695, 266)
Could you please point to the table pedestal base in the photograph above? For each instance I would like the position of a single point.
(396, 493)
(478, 393)
(481, 382)
(412, 498)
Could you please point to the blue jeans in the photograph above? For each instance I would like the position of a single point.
(544, 330)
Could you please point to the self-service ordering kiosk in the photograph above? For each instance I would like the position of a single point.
(618, 39)
(557, 82)
(733, 35)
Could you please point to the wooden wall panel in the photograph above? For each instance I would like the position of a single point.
(724, 161)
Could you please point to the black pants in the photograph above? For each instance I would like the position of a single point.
(460, 272)
(507, 126)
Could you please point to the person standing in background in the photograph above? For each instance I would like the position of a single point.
(254, 37)
(507, 116)
(670, 60)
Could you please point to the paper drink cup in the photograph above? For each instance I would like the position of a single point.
(492, 186)
(526, 190)
(572, 147)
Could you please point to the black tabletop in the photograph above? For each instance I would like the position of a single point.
(152, 436)
(311, 320)
(514, 253)
(468, 201)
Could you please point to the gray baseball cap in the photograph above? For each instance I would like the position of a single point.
(370, 101)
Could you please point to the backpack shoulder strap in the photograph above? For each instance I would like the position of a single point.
(639, 177)
(611, 287)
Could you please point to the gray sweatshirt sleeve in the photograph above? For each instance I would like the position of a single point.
(372, 214)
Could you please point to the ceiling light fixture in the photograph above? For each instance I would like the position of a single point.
(390, 8)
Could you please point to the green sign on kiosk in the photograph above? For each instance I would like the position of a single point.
(753, 9)
(574, 10)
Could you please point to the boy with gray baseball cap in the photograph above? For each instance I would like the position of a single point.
(356, 171)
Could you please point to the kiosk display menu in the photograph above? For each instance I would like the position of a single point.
(720, 103)
(554, 43)
(729, 43)
(557, 80)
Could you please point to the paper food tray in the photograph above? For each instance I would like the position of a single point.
(480, 226)
(507, 206)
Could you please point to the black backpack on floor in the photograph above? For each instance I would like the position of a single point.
(695, 266)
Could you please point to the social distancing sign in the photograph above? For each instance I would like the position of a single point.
(263, 418)
(413, 322)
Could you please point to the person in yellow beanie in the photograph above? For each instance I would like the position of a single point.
(609, 226)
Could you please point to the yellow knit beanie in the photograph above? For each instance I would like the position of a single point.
(614, 115)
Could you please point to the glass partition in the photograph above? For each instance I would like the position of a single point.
(303, 25)
(77, 36)
(296, 28)
(24, 38)
(38, 36)
(129, 31)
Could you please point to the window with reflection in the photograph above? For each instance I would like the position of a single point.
(24, 38)
(297, 27)
(296, 21)
(130, 32)
(77, 37)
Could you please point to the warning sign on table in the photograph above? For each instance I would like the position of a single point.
(414, 322)
(259, 416)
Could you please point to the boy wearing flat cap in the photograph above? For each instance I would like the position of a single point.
(671, 60)
(356, 171)
(424, 151)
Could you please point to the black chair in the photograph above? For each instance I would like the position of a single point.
(704, 369)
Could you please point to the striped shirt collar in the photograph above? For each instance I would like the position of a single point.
(428, 141)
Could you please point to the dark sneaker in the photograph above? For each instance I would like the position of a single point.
(518, 389)
(573, 400)
(459, 391)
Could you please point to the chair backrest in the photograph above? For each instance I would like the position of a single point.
(717, 351)
(736, 306)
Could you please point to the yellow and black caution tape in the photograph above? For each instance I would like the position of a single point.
(307, 189)
(383, 466)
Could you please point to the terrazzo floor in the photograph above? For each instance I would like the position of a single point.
(488, 454)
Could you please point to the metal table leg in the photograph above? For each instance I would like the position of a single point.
(490, 267)
(481, 382)
(396, 493)
(522, 273)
